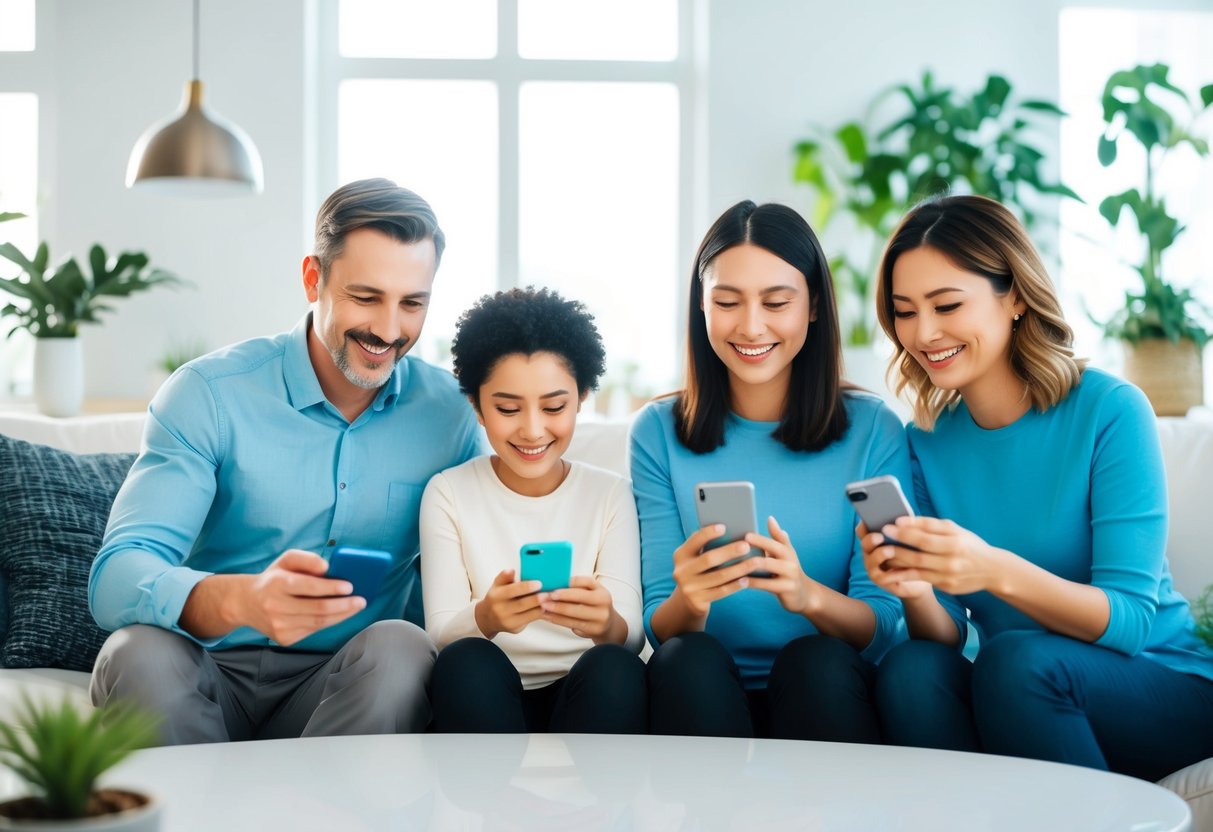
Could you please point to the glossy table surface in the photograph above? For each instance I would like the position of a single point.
(586, 782)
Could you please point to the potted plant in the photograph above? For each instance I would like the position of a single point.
(1164, 329)
(939, 140)
(55, 301)
(60, 752)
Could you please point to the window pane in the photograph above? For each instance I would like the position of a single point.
(438, 138)
(599, 216)
(16, 25)
(621, 30)
(1097, 259)
(418, 28)
(18, 194)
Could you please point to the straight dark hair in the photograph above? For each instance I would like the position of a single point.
(814, 414)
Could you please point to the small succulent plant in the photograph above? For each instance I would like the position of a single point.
(60, 751)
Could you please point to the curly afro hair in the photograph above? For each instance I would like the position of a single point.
(526, 321)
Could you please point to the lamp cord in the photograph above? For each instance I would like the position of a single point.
(196, 40)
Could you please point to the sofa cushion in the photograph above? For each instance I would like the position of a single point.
(1195, 785)
(56, 505)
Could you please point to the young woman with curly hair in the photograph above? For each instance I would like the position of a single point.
(514, 659)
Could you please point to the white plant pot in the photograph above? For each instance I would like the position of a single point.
(58, 376)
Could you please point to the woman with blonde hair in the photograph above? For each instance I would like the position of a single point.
(1041, 481)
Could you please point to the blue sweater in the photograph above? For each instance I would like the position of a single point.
(1078, 490)
(804, 491)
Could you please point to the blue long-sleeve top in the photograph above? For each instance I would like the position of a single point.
(804, 491)
(1078, 490)
(244, 458)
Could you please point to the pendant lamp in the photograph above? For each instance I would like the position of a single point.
(195, 153)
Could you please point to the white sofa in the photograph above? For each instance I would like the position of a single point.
(1187, 448)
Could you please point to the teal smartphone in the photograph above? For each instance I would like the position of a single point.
(364, 568)
(550, 563)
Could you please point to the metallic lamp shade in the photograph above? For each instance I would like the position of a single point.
(195, 153)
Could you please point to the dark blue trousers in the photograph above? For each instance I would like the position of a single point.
(1048, 697)
(819, 689)
(476, 689)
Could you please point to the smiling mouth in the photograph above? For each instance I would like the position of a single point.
(372, 346)
(753, 351)
(532, 452)
(943, 355)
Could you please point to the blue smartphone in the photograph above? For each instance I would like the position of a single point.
(364, 568)
(550, 563)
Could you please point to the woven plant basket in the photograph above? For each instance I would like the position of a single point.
(1168, 373)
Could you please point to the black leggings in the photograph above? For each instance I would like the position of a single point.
(819, 688)
(476, 689)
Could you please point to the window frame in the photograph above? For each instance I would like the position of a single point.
(508, 71)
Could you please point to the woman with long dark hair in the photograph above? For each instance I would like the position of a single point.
(780, 644)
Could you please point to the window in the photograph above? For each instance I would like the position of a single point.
(21, 75)
(1096, 258)
(551, 138)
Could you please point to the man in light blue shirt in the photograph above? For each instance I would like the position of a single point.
(261, 459)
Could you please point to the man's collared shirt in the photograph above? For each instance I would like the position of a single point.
(244, 458)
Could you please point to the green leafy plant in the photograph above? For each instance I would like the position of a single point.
(61, 752)
(1133, 105)
(1202, 614)
(179, 353)
(59, 299)
(941, 140)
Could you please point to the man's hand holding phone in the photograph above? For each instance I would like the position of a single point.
(292, 599)
(509, 605)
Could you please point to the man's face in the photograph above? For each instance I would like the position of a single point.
(369, 309)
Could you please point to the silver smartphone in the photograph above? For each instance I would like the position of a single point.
(730, 503)
(878, 502)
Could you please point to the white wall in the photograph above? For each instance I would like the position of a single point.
(777, 67)
(774, 66)
(123, 64)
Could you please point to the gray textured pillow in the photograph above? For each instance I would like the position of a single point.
(55, 507)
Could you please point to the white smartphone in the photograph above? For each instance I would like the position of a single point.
(879, 502)
(730, 503)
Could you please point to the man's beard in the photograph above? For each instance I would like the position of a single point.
(341, 357)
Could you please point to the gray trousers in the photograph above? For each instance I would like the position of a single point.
(376, 684)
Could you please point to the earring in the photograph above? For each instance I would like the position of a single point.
(1017, 317)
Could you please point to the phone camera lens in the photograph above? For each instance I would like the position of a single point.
(701, 495)
(859, 496)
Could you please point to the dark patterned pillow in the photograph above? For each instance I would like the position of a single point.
(56, 505)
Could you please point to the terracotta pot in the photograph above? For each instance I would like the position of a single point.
(1168, 373)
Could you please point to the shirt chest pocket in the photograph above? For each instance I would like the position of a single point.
(400, 519)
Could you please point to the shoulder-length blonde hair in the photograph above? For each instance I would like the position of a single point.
(981, 236)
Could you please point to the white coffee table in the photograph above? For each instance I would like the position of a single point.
(584, 782)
